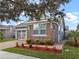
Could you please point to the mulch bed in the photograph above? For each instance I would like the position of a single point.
(41, 48)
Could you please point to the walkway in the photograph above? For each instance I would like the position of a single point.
(8, 55)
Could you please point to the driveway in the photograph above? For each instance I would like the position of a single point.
(8, 55)
(9, 44)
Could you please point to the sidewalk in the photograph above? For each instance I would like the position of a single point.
(8, 55)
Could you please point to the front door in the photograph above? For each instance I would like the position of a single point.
(21, 35)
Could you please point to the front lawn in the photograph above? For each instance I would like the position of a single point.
(67, 53)
(6, 39)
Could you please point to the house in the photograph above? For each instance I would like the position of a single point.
(8, 31)
(21, 31)
(41, 30)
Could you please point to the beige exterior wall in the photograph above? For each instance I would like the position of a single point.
(49, 33)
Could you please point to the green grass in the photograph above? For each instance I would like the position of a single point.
(7, 39)
(73, 53)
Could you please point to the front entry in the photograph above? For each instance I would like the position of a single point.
(21, 35)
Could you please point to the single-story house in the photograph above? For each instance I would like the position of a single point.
(21, 31)
(41, 30)
(8, 31)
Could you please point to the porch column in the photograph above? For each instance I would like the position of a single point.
(21, 34)
(59, 38)
(16, 34)
(26, 35)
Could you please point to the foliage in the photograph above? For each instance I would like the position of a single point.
(78, 27)
(29, 41)
(22, 45)
(12, 9)
(74, 34)
(1, 35)
(48, 42)
(37, 41)
(17, 45)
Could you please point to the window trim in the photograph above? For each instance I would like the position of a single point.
(39, 30)
(39, 35)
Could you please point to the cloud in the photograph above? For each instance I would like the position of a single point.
(76, 13)
(71, 17)
(77, 21)
(72, 20)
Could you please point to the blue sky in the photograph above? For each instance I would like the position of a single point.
(72, 12)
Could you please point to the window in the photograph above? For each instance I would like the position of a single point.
(42, 31)
(39, 29)
(35, 32)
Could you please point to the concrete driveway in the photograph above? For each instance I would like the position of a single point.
(8, 55)
(9, 44)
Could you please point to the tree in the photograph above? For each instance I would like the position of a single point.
(78, 27)
(12, 9)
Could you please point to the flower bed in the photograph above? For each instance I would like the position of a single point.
(41, 48)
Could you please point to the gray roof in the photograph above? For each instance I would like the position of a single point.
(22, 25)
(6, 27)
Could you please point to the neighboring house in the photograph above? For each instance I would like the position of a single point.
(8, 31)
(21, 31)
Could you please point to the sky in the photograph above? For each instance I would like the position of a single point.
(71, 19)
(72, 14)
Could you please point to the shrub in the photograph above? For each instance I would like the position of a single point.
(30, 46)
(22, 45)
(42, 42)
(1, 35)
(17, 45)
(48, 42)
(37, 41)
(29, 41)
